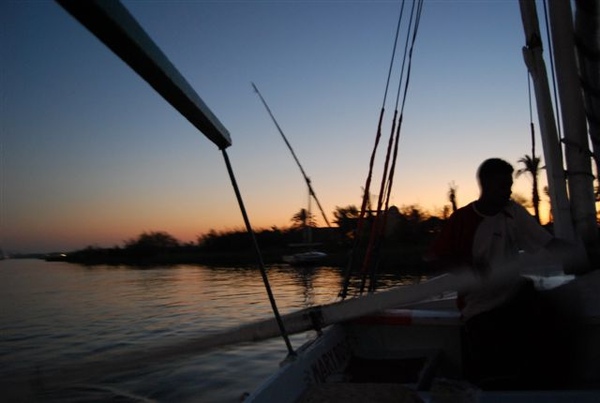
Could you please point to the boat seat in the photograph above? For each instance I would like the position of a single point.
(360, 392)
(416, 368)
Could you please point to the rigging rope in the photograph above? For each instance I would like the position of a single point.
(388, 176)
(389, 77)
(553, 70)
(378, 224)
(366, 192)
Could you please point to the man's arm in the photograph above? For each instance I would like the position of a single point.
(567, 256)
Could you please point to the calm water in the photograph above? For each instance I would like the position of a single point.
(56, 314)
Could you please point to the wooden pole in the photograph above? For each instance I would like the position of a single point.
(577, 149)
(119, 31)
(532, 53)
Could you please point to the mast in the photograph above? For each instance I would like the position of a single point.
(532, 53)
(577, 150)
(587, 39)
(311, 192)
(307, 227)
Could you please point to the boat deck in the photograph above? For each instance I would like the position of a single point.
(446, 392)
(417, 355)
(360, 393)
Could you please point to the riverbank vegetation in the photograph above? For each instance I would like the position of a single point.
(407, 232)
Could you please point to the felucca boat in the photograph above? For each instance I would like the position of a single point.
(406, 344)
(414, 349)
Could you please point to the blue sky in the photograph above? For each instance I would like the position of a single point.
(91, 155)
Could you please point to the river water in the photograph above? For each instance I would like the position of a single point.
(56, 315)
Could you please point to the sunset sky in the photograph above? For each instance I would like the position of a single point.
(91, 155)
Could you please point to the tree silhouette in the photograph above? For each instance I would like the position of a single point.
(303, 219)
(152, 241)
(452, 195)
(547, 193)
(411, 226)
(531, 165)
(346, 219)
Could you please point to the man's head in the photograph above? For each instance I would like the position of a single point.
(495, 181)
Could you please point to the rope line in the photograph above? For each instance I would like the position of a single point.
(366, 193)
(378, 224)
(387, 84)
(401, 117)
(387, 181)
(553, 70)
(361, 217)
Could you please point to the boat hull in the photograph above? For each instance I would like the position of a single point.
(305, 258)
(420, 353)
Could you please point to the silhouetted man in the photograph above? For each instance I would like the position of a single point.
(492, 237)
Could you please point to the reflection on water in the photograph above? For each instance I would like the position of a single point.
(57, 314)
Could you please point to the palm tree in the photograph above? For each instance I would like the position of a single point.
(547, 193)
(303, 219)
(452, 195)
(532, 166)
(346, 219)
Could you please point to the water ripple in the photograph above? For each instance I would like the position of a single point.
(58, 314)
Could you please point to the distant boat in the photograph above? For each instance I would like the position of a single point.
(310, 256)
(55, 257)
(305, 258)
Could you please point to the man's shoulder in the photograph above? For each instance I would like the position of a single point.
(515, 209)
(466, 215)
(465, 211)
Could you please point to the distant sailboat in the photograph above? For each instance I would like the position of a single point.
(309, 256)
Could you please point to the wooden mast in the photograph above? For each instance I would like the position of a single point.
(532, 53)
(577, 150)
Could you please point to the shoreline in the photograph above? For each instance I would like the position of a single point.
(404, 257)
